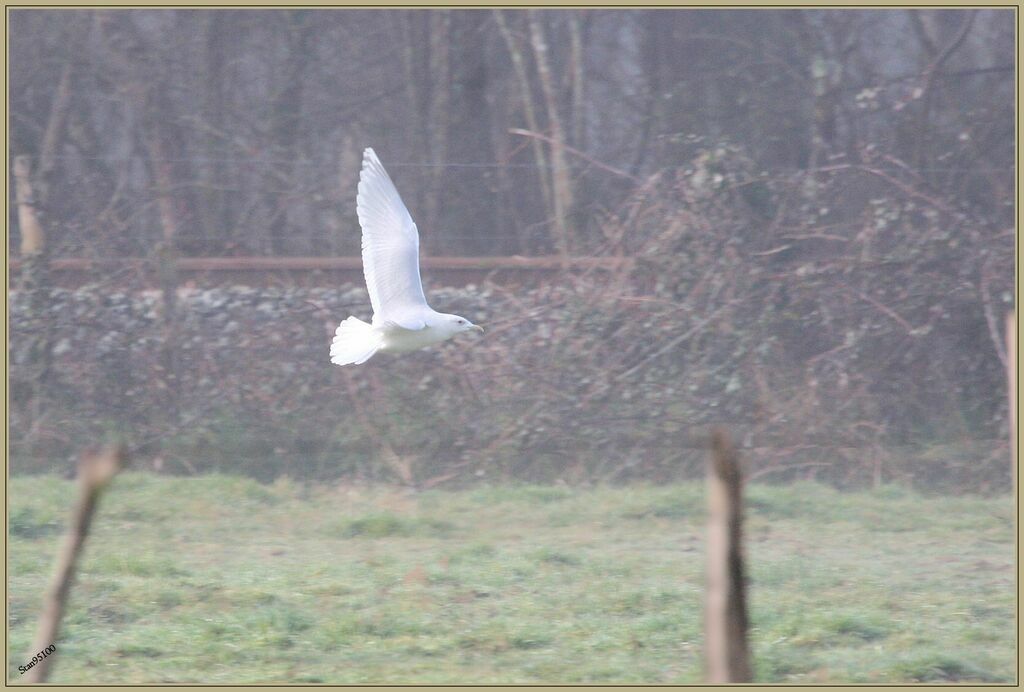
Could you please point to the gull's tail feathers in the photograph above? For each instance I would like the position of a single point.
(354, 342)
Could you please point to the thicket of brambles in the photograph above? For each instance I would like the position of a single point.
(815, 212)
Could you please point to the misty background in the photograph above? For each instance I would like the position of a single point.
(795, 225)
(799, 224)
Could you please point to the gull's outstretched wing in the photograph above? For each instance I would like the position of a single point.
(391, 249)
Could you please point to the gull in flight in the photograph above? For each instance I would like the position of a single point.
(402, 320)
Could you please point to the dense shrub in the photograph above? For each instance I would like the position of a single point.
(843, 323)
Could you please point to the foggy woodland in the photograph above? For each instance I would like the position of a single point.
(806, 220)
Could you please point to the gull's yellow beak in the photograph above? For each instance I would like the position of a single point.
(478, 328)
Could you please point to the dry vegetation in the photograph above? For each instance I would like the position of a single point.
(814, 211)
(726, 311)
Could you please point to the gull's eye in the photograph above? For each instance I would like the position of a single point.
(462, 321)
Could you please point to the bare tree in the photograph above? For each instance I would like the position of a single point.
(561, 181)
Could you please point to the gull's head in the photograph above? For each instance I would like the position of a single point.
(457, 324)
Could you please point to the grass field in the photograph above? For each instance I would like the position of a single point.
(219, 579)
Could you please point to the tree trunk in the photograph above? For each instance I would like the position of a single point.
(287, 117)
(437, 117)
(577, 119)
(216, 215)
(561, 181)
(529, 110)
(164, 141)
(473, 190)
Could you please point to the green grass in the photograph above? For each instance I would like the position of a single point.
(219, 579)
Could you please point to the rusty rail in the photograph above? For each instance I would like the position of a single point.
(330, 263)
(454, 270)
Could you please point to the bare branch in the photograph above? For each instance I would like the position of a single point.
(577, 152)
(990, 317)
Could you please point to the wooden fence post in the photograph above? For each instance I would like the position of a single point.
(95, 471)
(34, 282)
(726, 654)
(32, 239)
(1011, 389)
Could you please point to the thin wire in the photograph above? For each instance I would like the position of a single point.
(456, 164)
(296, 162)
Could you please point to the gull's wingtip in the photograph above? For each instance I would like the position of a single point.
(370, 155)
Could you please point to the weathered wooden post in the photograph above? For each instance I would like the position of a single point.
(726, 654)
(1011, 388)
(34, 282)
(32, 238)
(95, 471)
(167, 274)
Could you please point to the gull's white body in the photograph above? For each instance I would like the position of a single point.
(402, 320)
